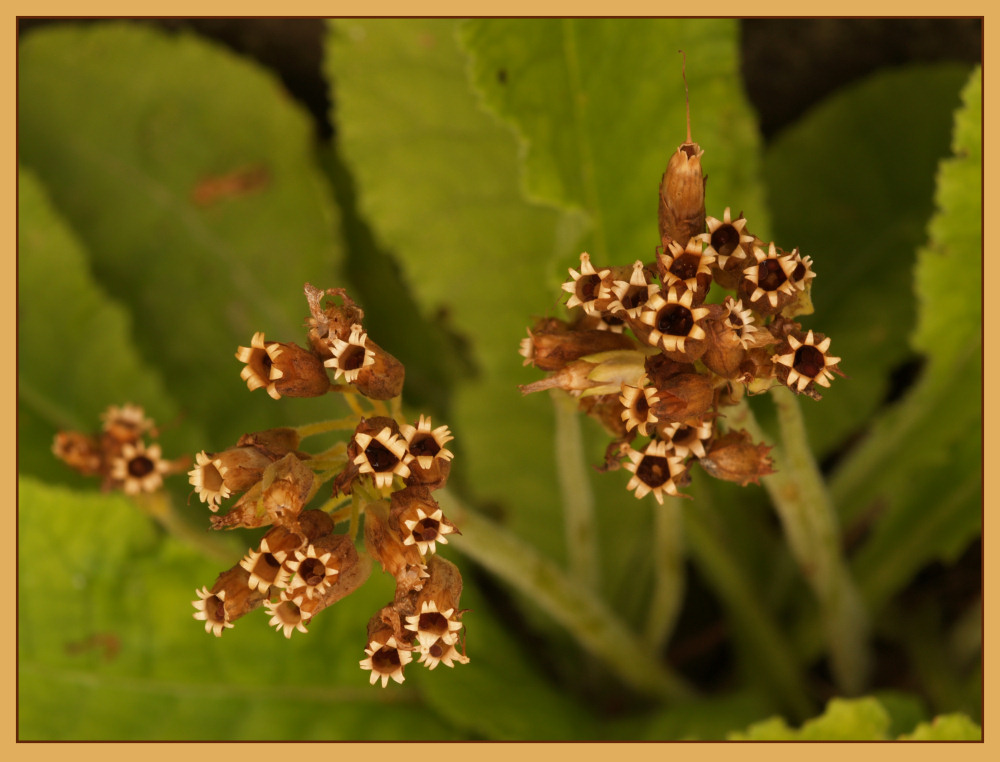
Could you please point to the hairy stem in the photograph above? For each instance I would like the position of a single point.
(668, 572)
(807, 516)
(577, 496)
(574, 606)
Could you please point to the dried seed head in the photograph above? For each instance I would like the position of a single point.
(80, 452)
(802, 363)
(766, 285)
(126, 423)
(676, 325)
(286, 616)
(586, 287)
(138, 468)
(382, 454)
(418, 520)
(687, 267)
(654, 469)
(295, 372)
(638, 401)
(732, 245)
(630, 295)
(349, 357)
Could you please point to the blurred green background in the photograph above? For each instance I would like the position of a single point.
(447, 173)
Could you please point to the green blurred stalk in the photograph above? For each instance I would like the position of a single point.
(668, 572)
(807, 516)
(577, 496)
(576, 607)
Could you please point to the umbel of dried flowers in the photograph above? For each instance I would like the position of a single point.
(385, 471)
(650, 354)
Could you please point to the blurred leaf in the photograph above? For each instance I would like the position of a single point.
(72, 338)
(701, 719)
(946, 727)
(920, 467)
(436, 178)
(188, 175)
(863, 719)
(598, 106)
(851, 185)
(949, 270)
(108, 648)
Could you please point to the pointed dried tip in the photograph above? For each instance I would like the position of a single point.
(682, 190)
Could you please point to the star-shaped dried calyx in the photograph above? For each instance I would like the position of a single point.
(801, 363)
(687, 267)
(766, 284)
(631, 295)
(286, 617)
(138, 468)
(637, 402)
(386, 656)
(441, 652)
(586, 287)
(418, 520)
(655, 469)
(380, 451)
(266, 569)
(687, 439)
(732, 245)
(349, 357)
(675, 325)
(126, 423)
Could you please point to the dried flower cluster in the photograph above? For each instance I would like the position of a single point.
(653, 352)
(119, 454)
(386, 470)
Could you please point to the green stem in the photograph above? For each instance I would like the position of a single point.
(768, 645)
(348, 423)
(574, 606)
(668, 572)
(577, 496)
(810, 524)
(159, 507)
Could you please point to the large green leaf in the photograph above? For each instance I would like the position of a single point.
(437, 179)
(108, 648)
(72, 338)
(598, 106)
(862, 719)
(851, 184)
(921, 466)
(188, 175)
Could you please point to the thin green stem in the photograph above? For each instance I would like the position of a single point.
(807, 516)
(574, 606)
(668, 572)
(577, 495)
(160, 507)
(347, 423)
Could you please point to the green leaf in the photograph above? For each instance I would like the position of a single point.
(598, 114)
(920, 466)
(863, 719)
(851, 185)
(437, 179)
(949, 270)
(108, 649)
(946, 727)
(72, 338)
(188, 175)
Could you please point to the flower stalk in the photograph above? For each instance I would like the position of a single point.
(810, 524)
(574, 606)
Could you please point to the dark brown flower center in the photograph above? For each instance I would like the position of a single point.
(352, 358)
(653, 470)
(640, 408)
(424, 444)
(809, 361)
(725, 239)
(675, 320)
(312, 571)
(433, 622)
(770, 276)
(386, 660)
(437, 650)
(686, 266)
(140, 466)
(587, 287)
(635, 296)
(215, 608)
(379, 457)
(426, 530)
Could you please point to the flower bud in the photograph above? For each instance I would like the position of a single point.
(684, 397)
(80, 452)
(735, 458)
(552, 344)
(295, 372)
